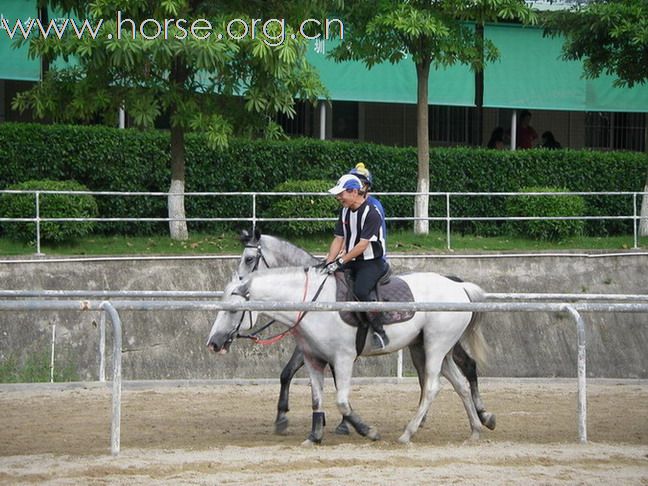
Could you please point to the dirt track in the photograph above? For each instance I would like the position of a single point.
(223, 434)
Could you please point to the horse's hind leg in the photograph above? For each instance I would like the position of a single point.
(454, 376)
(468, 367)
(287, 374)
(417, 353)
(431, 386)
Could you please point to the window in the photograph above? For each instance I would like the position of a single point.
(615, 131)
(450, 125)
(345, 119)
(299, 125)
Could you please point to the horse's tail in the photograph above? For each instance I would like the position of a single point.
(472, 339)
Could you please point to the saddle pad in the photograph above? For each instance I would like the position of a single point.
(395, 290)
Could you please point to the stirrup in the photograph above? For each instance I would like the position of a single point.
(379, 342)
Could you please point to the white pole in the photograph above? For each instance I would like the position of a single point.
(399, 365)
(122, 117)
(102, 347)
(322, 113)
(514, 130)
(52, 354)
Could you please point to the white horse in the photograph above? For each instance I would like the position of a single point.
(263, 251)
(325, 338)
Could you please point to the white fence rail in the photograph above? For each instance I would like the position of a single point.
(253, 218)
(112, 307)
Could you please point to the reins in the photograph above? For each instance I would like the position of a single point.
(292, 329)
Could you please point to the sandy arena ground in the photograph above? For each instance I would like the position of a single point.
(223, 434)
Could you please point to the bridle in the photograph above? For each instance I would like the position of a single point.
(259, 256)
(291, 330)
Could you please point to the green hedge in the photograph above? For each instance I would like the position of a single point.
(303, 207)
(546, 206)
(106, 159)
(19, 205)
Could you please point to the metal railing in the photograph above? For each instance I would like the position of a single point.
(112, 307)
(254, 217)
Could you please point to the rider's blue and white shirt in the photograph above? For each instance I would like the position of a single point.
(364, 223)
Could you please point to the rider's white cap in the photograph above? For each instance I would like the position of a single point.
(347, 181)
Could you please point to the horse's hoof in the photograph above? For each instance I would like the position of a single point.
(373, 434)
(473, 439)
(309, 443)
(405, 438)
(488, 420)
(281, 426)
(343, 429)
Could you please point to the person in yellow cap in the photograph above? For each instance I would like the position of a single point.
(359, 238)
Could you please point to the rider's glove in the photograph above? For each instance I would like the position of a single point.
(335, 266)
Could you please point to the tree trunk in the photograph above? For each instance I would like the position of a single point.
(421, 204)
(177, 229)
(643, 222)
(479, 89)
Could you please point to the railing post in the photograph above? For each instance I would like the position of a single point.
(115, 431)
(102, 347)
(52, 353)
(448, 219)
(253, 213)
(582, 374)
(38, 237)
(635, 220)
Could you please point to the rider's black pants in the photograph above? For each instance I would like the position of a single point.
(366, 274)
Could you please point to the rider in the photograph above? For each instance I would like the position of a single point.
(359, 237)
(362, 173)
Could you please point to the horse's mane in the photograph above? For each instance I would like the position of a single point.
(304, 257)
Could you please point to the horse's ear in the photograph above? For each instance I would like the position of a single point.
(245, 236)
(257, 234)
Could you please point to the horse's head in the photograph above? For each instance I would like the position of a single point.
(229, 323)
(252, 253)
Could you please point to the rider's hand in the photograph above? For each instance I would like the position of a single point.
(335, 266)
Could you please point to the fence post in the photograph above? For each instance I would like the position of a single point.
(38, 237)
(52, 353)
(635, 220)
(582, 374)
(102, 346)
(115, 430)
(448, 219)
(253, 213)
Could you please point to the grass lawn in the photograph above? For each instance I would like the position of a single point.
(399, 242)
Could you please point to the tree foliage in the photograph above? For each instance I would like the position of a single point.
(610, 37)
(219, 84)
(430, 33)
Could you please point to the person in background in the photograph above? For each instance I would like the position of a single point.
(526, 134)
(359, 245)
(497, 139)
(549, 141)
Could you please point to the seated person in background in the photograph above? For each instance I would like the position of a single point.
(497, 139)
(549, 142)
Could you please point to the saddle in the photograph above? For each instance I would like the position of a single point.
(388, 289)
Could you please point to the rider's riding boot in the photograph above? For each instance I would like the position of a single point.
(379, 337)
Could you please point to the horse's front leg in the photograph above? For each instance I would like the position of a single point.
(287, 374)
(315, 367)
(343, 372)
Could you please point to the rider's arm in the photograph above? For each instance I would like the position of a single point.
(335, 248)
(355, 251)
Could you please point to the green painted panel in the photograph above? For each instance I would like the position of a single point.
(389, 83)
(16, 64)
